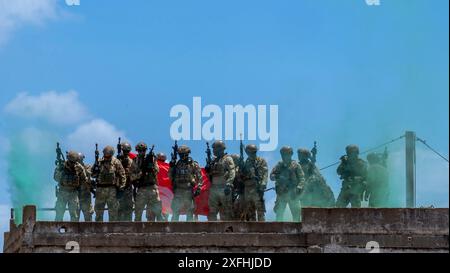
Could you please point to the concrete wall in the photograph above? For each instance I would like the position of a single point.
(322, 230)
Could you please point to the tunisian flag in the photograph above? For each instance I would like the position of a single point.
(166, 191)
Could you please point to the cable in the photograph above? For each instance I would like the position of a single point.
(433, 150)
(369, 150)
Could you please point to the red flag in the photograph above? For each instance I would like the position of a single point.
(166, 191)
(201, 201)
(165, 187)
(132, 155)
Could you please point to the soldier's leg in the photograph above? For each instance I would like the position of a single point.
(86, 207)
(154, 204)
(139, 204)
(343, 199)
(355, 200)
(294, 206)
(176, 207)
(74, 205)
(100, 203)
(126, 205)
(189, 205)
(227, 206)
(213, 203)
(60, 206)
(112, 204)
(280, 207)
(260, 209)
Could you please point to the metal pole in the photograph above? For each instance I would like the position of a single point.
(410, 156)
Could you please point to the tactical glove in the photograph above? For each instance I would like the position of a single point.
(227, 189)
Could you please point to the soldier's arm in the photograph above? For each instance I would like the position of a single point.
(198, 175)
(135, 172)
(263, 172)
(121, 174)
(274, 173)
(340, 169)
(82, 175)
(57, 174)
(155, 167)
(170, 173)
(300, 176)
(230, 170)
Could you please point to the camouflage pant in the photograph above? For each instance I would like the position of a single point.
(350, 194)
(253, 204)
(284, 199)
(126, 205)
(148, 196)
(183, 200)
(106, 196)
(219, 202)
(85, 205)
(378, 199)
(69, 198)
(238, 209)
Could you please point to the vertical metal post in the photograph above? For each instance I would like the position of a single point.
(410, 156)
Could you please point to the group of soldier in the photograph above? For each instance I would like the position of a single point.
(122, 185)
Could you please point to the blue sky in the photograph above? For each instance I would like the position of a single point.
(341, 72)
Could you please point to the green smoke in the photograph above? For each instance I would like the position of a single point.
(30, 170)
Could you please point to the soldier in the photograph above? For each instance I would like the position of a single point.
(161, 157)
(69, 176)
(144, 171)
(187, 181)
(85, 192)
(125, 197)
(289, 182)
(110, 179)
(254, 176)
(238, 191)
(222, 173)
(377, 182)
(353, 172)
(316, 192)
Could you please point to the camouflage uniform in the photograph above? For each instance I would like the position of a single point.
(111, 177)
(238, 191)
(254, 176)
(289, 183)
(147, 195)
(316, 192)
(85, 196)
(222, 174)
(69, 177)
(185, 175)
(377, 183)
(125, 197)
(353, 172)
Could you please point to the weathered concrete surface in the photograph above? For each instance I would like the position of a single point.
(322, 230)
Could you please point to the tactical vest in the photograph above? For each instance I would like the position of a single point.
(126, 163)
(218, 167)
(69, 178)
(287, 175)
(148, 179)
(250, 173)
(184, 174)
(107, 175)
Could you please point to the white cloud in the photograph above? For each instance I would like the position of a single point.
(58, 108)
(16, 13)
(95, 131)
